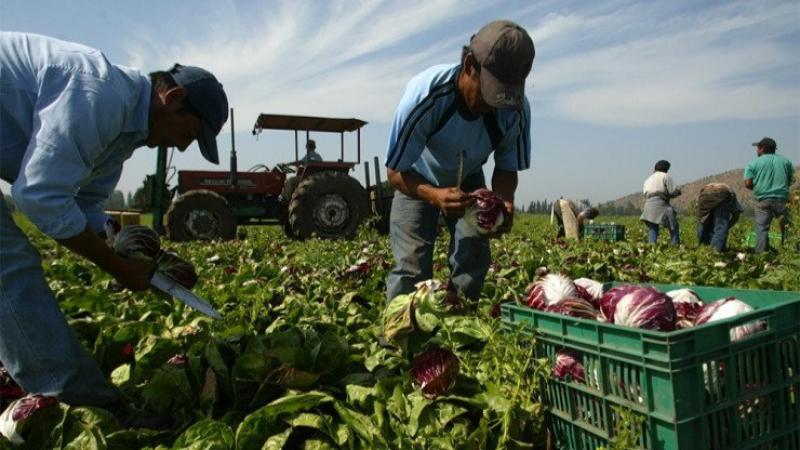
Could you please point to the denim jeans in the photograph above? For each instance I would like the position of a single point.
(37, 346)
(652, 233)
(412, 230)
(715, 229)
(765, 211)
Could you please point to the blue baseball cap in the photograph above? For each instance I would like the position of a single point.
(205, 98)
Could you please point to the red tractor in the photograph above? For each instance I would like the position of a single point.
(307, 197)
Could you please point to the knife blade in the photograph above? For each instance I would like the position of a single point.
(171, 287)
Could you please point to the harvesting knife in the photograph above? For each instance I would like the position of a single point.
(171, 287)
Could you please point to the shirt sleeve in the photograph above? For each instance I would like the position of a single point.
(73, 123)
(514, 151)
(90, 198)
(749, 171)
(669, 185)
(410, 126)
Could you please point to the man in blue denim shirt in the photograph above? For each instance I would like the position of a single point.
(455, 116)
(69, 120)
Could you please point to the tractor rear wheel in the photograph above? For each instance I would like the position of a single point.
(288, 188)
(200, 215)
(329, 204)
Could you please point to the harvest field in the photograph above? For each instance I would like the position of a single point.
(297, 361)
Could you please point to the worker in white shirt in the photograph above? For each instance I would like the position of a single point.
(658, 190)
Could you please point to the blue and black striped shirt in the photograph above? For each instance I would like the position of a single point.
(432, 126)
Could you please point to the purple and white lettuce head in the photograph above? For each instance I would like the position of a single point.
(687, 305)
(137, 242)
(646, 308)
(591, 287)
(435, 370)
(569, 363)
(177, 268)
(550, 289)
(574, 307)
(609, 300)
(487, 214)
(14, 420)
(725, 309)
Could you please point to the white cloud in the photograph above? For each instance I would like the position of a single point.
(625, 64)
(677, 69)
(336, 58)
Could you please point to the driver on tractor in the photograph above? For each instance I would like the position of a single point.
(311, 153)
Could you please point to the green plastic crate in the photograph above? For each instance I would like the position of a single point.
(605, 232)
(774, 239)
(747, 398)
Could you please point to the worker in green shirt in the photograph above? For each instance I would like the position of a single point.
(769, 177)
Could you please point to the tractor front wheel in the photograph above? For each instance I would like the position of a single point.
(200, 215)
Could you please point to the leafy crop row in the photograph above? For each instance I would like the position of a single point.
(299, 360)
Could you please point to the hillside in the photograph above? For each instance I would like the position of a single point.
(733, 178)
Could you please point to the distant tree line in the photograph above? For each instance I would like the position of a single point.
(545, 206)
(607, 208)
(610, 209)
(118, 200)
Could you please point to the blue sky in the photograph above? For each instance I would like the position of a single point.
(616, 85)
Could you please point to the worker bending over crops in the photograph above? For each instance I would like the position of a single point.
(658, 190)
(570, 220)
(717, 211)
(449, 120)
(69, 120)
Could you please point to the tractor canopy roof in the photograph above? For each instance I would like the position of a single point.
(306, 123)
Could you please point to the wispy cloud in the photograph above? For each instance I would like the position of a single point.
(338, 58)
(616, 63)
(658, 69)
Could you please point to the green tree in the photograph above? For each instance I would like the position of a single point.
(115, 201)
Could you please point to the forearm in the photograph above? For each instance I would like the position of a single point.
(92, 247)
(504, 184)
(411, 185)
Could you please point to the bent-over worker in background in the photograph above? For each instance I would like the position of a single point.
(717, 211)
(570, 221)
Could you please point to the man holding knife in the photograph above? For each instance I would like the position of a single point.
(69, 120)
(449, 120)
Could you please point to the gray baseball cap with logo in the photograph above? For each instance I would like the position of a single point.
(505, 52)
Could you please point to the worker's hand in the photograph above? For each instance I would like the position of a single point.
(453, 202)
(133, 274)
(508, 221)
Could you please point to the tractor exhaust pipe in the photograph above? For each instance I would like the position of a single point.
(234, 170)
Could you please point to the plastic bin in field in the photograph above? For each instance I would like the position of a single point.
(604, 232)
(695, 388)
(774, 239)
